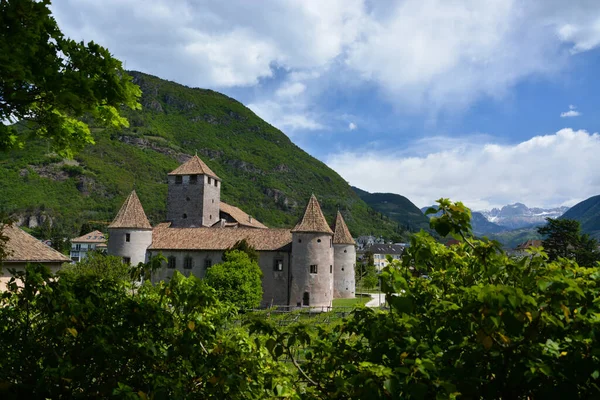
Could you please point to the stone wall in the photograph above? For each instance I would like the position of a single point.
(135, 249)
(344, 261)
(312, 249)
(193, 204)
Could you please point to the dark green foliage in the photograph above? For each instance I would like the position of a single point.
(480, 325)
(263, 172)
(238, 280)
(365, 273)
(82, 336)
(51, 81)
(562, 238)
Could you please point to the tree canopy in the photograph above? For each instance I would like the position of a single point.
(50, 82)
(237, 280)
(563, 238)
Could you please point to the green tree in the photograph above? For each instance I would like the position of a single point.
(366, 274)
(237, 280)
(243, 245)
(563, 238)
(100, 266)
(481, 325)
(51, 82)
(85, 335)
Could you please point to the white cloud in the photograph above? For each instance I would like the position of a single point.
(352, 126)
(424, 54)
(285, 116)
(542, 171)
(290, 89)
(571, 113)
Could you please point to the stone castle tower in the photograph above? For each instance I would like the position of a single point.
(344, 260)
(130, 233)
(311, 282)
(194, 194)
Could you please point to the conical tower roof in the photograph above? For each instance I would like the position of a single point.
(131, 214)
(313, 219)
(341, 234)
(194, 166)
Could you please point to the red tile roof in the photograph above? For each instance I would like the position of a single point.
(313, 219)
(131, 214)
(194, 166)
(22, 248)
(92, 237)
(341, 234)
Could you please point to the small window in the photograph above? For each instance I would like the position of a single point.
(278, 265)
(330, 242)
(342, 268)
(126, 260)
(345, 251)
(184, 216)
(331, 269)
(128, 237)
(193, 179)
(78, 246)
(188, 263)
(210, 216)
(187, 199)
(207, 263)
(318, 240)
(178, 179)
(313, 269)
(299, 240)
(209, 181)
(306, 299)
(213, 200)
(216, 183)
(171, 262)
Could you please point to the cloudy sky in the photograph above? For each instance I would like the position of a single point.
(485, 101)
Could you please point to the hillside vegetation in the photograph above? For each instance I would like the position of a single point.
(587, 213)
(396, 207)
(263, 172)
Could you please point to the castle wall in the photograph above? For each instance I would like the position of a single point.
(344, 261)
(274, 282)
(312, 249)
(135, 249)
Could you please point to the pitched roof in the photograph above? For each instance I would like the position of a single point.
(22, 247)
(166, 238)
(313, 219)
(194, 166)
(131, 214)
(529, 243)
(341, 234)
(92, 237)
(240, 216)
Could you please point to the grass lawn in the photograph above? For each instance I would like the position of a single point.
(357, 301)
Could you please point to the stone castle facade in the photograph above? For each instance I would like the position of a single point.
(309, 265)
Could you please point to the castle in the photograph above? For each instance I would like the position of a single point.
(309, 265)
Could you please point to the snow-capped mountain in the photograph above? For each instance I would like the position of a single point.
(518, 215)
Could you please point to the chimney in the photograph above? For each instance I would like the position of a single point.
(222, 223)
(250, 218)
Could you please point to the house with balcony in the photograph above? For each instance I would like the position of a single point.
(93, 241)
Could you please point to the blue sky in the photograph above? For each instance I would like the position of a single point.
(425, 98)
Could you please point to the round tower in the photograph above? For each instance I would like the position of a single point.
(130, 234)
(344, 260)
(311, 282)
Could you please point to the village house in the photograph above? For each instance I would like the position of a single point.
(93, 241)
(308, 265)
(22, 249)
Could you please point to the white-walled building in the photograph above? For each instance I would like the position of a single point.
(93, 241)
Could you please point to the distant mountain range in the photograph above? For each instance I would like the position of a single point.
(518, 215)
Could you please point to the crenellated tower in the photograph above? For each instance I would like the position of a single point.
(344, 260)
(130, 233)
(311, 282)
(194, 194)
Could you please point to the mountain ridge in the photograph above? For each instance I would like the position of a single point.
(263, 171)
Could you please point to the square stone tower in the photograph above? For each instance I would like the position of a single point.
(194, 194)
